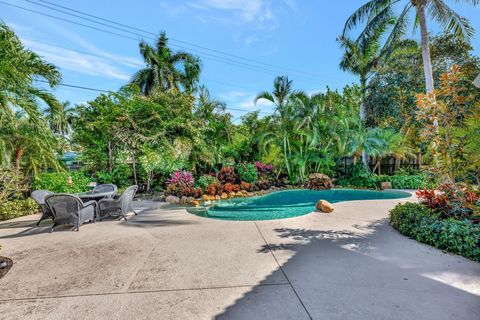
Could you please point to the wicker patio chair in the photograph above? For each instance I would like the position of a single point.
(119, 206)
(101, 188)
(39, 197)
(69, 209)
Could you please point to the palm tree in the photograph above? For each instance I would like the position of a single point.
(166, 69)
(287, 103)
(376, 12)
(19, 69)
(60, 122)
(361, 58)
(29, 146)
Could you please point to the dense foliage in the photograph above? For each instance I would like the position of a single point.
(62, 182)
(456, 236)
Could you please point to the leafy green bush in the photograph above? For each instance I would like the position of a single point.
(247, 172)
(401, 180)
(119, 176)
(13, 185)
(417, 221)
(57, 182)
(204, 181)
(17, 208)
(357, 176)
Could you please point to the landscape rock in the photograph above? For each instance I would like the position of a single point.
(385, 185)
(183, 200)
(324, 206)
(217, 197)
(318, 181)
(224, 196)
(190, 199)
(206, 197)
(172, 200)
(195, 203)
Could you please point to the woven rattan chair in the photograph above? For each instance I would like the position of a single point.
(102, 188)
(69, 209)
(119, 206)
(39, 197)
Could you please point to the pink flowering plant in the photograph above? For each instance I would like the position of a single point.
(181, 179)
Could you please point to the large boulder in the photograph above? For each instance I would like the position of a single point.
(172, 200)
(324, 206)
(318, 181)
(385, 185)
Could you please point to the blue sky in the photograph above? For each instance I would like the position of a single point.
(294, 37)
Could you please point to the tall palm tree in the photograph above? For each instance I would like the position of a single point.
(287, 102)
(361, 58)
(166, 69)
(374, 13)
(19, 69)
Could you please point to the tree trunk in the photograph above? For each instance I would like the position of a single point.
(110, 158)
(427, 63)
(134, 167)
(363, 89)
(18, 159)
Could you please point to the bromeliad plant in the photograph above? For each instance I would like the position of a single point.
(181, 179)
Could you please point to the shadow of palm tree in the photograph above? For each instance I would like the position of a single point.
(357, 275)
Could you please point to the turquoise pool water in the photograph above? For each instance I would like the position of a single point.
(285, 204)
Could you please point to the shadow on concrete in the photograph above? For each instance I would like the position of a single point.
(20, 224)
(375, 273)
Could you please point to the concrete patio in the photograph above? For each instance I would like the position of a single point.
(168, 264)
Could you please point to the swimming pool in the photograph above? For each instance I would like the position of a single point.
(286, 204)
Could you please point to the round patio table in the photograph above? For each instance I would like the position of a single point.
(90, 195)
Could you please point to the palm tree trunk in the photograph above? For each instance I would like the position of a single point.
(427, 63)
(18, 159)
(363, 91)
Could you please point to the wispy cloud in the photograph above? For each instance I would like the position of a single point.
(250, 15)
(78, 62)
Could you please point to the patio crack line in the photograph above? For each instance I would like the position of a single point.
(139, 292)
(283, 271)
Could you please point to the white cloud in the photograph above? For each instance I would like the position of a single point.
(78, 62)
(262, 104)
(231, 95)
(75, 38)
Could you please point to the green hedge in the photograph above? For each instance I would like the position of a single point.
(403, 181)
(57, 182)
(17, 208)
(456, 236)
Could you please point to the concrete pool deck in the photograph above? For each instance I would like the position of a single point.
(168, 264)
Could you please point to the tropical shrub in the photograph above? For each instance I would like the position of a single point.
(205, 180)
(357, 176)
(245, 186)
(181, 179)
(456, 236)
(405, 180)
(227, 174)
(13, 185)
(213, 188)
(228, 187)
(17, 208)
(264, 169)
(59, 182)
(119, 176)
(451, 201)
(247, 172)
